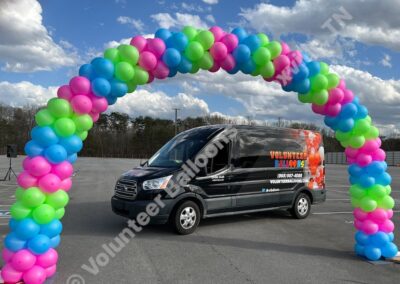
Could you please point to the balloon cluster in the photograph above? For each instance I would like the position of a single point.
(64, 124)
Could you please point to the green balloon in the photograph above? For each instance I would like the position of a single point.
(357, 191)
(124, 71)
(321, 97)
(256, 72)
(357, 141)
(368, 118)
(275, 48)
(206, 62)
(262, 56)
(333, 80)
(33, 197)
(388, 189)
(368, 204)
(58, 199)
(190, 32)
(43, 214)
(19, 193)
(128, 53)
(305, 98)
(59, 108)
(195, 68)
(319, 82)
(19, 211)
(194, 51)
(386, 202)
(372, 133)
(377, 191)
(112, 54)
(324, 68)
(83, 122)
(264, 40)
(64, 127)
(141, 76)
(355, 202)
(342, 136)
(362, 126)
(60, 213)
(206, 39)
(44, 117)
(82, 135)
(131, 86)
(267, 70)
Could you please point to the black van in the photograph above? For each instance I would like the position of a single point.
(221, 170)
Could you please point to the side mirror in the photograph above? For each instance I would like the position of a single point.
(143, 163)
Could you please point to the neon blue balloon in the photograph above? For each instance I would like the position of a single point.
(172, 72)
(111, 100)
(302, 87)
(384, 179)
(379, 239)
(348, 110)
(87, 70)
(362, 112)
(55, 241)
(118, 88)
(234, 70)
(27, 228)
(372, 253)
(242, 53)
(248, 66)
(172, 57)
(44, 136)
(240, 33)
(300, 73)
(103, 67)
(359, 249)
(162, 33)
(39, 244)
(253, 42)
(72, 144)
(101, 87)
(376, 168)
(55, 154)
(13, 224)
(389, 250)
(361, 238)
(13, 243)
(33, 149)
(178, 41)
(346, 125)
(52, 229)
(314, 68)
(332, 122)
(366, 181)
(185, 66)
(72, 158)
(355, 170)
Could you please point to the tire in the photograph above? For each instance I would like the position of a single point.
(301, 207)
(186, 218)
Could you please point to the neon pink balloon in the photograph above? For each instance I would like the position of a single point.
(35, 275)
(50, 183)
(39, 166)
(64, 92)
(161, 71)
(351, 160)
(318, 109)
(156, 46)
(295, 57)
(342, 84)
(219, 51)
(23, 260)
(79, 85)
(333, 110)
(50, 271)
(285, 48)
(81, 104)
(348, 96)
(26, 180)
(147, 60)
(231, 41)
(63, 170)
(389, 213)
(369, 227)
(351, 152)
(47, 259)
(10, 275)
(95, 116)
(358, 224)
(228, 63)
(370, 146)
(215, 67)
(217, 32)
(99, 104)
(281, 62)
(66, 184)
(285, 76)
(363, 159)
(151, 78)
(387, 226)
(360, 214)
(139, 42)
(25, 163)
(7, 254)
(379, 215)
(335, 96)
(379, 155)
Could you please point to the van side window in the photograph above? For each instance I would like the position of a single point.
(220, 161)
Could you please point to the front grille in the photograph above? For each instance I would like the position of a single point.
(126, 188)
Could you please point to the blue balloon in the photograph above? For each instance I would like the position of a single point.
(13, 224)
(346, 125)
(359, 249)
(39, 244)
(172, 57)
(300, 73)
(384, 179)
(306, 57)
(27, 228)
(366, 181)
(178, 41)
(172, 72)
(348, 110)
(87, 70)
(44, 136)
(361, 238)
(314, 68)
(185, 66)
(103, 67)
(248, 66)
(355, 170)
(55, 241)
(379, 239)
(240, 33)
(391, 236)
(362, 112)
(13, 243)
(389, 250)
(353, 180)
(253, 42)
(118, 88)
(111, 100)
(56, 154)
(331, 121)
(242, 53)
(375, 168)
(162, 33)
(51, 229)
(302, 87)
(72, 144)
(72, 158)
(33, 149)
(234, 70)
(288, 87)
(101, 87)
(372, 253)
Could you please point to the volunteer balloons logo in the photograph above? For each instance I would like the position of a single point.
(29, 249)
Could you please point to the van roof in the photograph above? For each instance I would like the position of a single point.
(241, 126)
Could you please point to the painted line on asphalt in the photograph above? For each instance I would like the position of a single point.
(337, 199)
(340, 212)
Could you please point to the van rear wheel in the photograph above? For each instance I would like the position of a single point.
(186, 218)
(301, 207)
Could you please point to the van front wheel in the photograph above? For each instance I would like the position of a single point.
(186, 218)
(301, 207)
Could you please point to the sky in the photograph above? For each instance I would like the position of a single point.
(43, 43)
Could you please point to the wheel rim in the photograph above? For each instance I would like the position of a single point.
(302, 206)
(188, 217)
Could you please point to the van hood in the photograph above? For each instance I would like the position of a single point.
(142, 173)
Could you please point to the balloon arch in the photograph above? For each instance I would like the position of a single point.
(29, 253)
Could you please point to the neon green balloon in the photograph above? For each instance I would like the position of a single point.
(206, 39)
(267, 70)
(206, 62)
(261, 56)
(141, 76)
(305, 98)
(321, 97)
(44, 117)
(194, 51)
(190, 32)
(357, 141)
(58, 199)
(128, 53)
(112, 54)
(43, 214)
(60, 213)
(388, 189)
(368, 204)
(319, 82)
(275, 48)
(33, 197)
(357, 191)
(372, 133)
(342, 136)
(131, 86)
(19, 193)
(377, 192)
(82, 135)
(83, 122)
(324, 68)
(333, 80)
(195, 68)
(362, 126)
(264, 40)
(64, 127)
(355, 202)
(19, 211)
(386, 202)
(59, 108)
(124, 71)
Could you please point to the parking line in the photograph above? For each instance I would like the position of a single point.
(340, 212)
(337, 199)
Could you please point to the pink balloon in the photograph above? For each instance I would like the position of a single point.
(50, 183)
(370, 146)
(215, 67)
(81, 104)
(379, 215)
(39, 166)
(63, 170)
(151, 78)
(348, 96)
(295, 57)
(35, 275)
(95, 116)
(351, 160)
(10, 275)
(342, 84)
(335, 96)
(139, 42)
(64, 92)
(351, 152)
(318, 109)
(228, 63)
(333, 110)
(379, 155)
(47, 259)
(217, 32)
(156, 46)
(7, 255)
(219, 51)
(99, 104)
(285, 76)
(358, 224)
(147, 60)
(80, 85)
(161, 71)
(369, 227)
(23, 260)
(389, 213)
(387, 226)
(285, 48)
(50, 271)
(26, 180)
(231, 41)
(66, 184)
(363, 160)
(25, 163)
(281, 62)
(360, 214)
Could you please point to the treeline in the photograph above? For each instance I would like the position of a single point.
(119, 135)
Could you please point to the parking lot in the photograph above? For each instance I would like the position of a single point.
(258, 248)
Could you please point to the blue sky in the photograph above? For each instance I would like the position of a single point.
(50, 39)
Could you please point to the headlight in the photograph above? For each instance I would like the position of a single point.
(158, 183)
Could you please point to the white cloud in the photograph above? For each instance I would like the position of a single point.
(211, 2)
(210, 18)
(137, 24)
(166, 20)
(115, 43)
(386, 61)
(25, 43)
